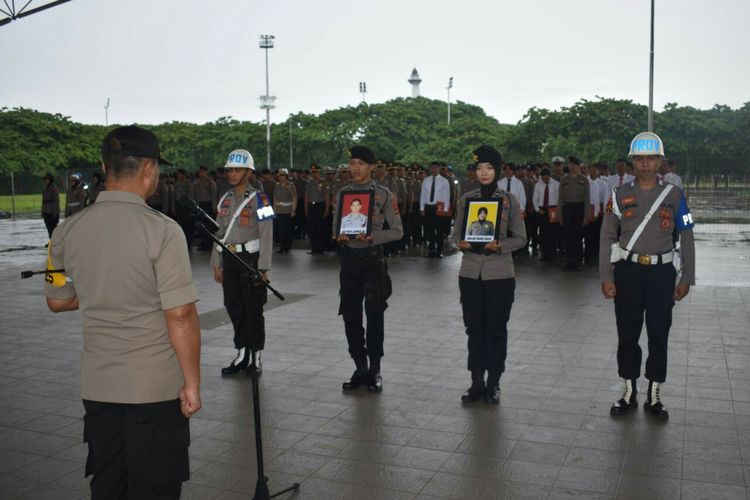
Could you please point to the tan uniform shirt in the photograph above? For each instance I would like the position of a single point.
(51, 200)
(205, 190)
(671, 216)
(493, 266)
(284, 198)
(249, 225)
(385, 208)
(127, 263)
(316, 191)
(574, 190)
(75, 201)
(182, 189)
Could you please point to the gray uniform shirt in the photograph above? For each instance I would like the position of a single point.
(497, 265)
(672, 216)
(248, 226)
(283, 198)
(127, 264)
(574, 189)
(316, 190)
(384, 209)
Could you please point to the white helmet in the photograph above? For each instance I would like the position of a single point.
(240, 158)
(646, 144)
(283, 171)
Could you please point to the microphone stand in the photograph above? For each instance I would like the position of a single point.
(261, 485)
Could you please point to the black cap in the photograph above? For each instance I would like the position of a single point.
(132, 141)
(487, 154)
(471, 167)
(574, 160)
(362, 153)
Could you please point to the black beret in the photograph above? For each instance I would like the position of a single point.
(487, 154)
(574, 160)
(362, 153)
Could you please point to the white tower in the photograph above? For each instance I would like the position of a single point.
(415, 80)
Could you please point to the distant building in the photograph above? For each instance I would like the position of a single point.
(415, 80)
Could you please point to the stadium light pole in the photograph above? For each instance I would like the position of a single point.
(363, 90)
(291, 151)
(448, 88)
(267, 101)
(651, 76)
(106, 113)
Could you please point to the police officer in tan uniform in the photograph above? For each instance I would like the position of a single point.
(75, 200)
(50, 204)
(487, 282)
(637, 268)
(285, 206)
(364, 273)
(574, 199)
(317, 209)
(204, 189)
(245, 218)
(128, 272)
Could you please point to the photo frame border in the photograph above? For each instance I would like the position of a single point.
(479, 246)
(370, 208)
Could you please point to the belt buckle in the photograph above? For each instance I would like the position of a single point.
(644, 260)
(232, 247)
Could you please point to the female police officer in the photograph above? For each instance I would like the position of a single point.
(486, 281)
(245, 219)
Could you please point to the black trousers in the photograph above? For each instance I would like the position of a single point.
(300, 223)
(136, 451)
(207, 207)
(285, 231)
(433, 229)
(643, 290)
(415, 228)
(316, 226)
(532, 224)
(486, 306)
(186, 223)
(573, 232)
(549, 234)
(591, 232)
(51, 221)
(244, 301)
(364, 277)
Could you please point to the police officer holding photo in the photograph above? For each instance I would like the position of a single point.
(364, 274)
(637, 269)
(487, 282)
(128, 271)
(245, 218)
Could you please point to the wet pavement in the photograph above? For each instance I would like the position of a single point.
(550, 437)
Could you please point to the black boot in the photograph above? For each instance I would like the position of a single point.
(255, 366)
(375, 381)
(492, 393)
(359, 377)
(653, 404)
(239, 363)
(476, 391)
(629, 399)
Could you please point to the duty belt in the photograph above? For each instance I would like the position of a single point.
(647, 260)
(249, 247)
(364, 253)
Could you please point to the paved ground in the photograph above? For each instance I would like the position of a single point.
(551, 436)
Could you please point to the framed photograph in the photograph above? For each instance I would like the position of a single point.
(481, 222)
(354, 214)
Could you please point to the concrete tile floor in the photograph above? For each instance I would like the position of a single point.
(551, 437)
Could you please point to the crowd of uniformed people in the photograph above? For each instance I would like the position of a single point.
(630, 220)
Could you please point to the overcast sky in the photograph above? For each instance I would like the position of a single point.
(190, 60)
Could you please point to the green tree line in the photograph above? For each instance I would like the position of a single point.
(403, 129)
